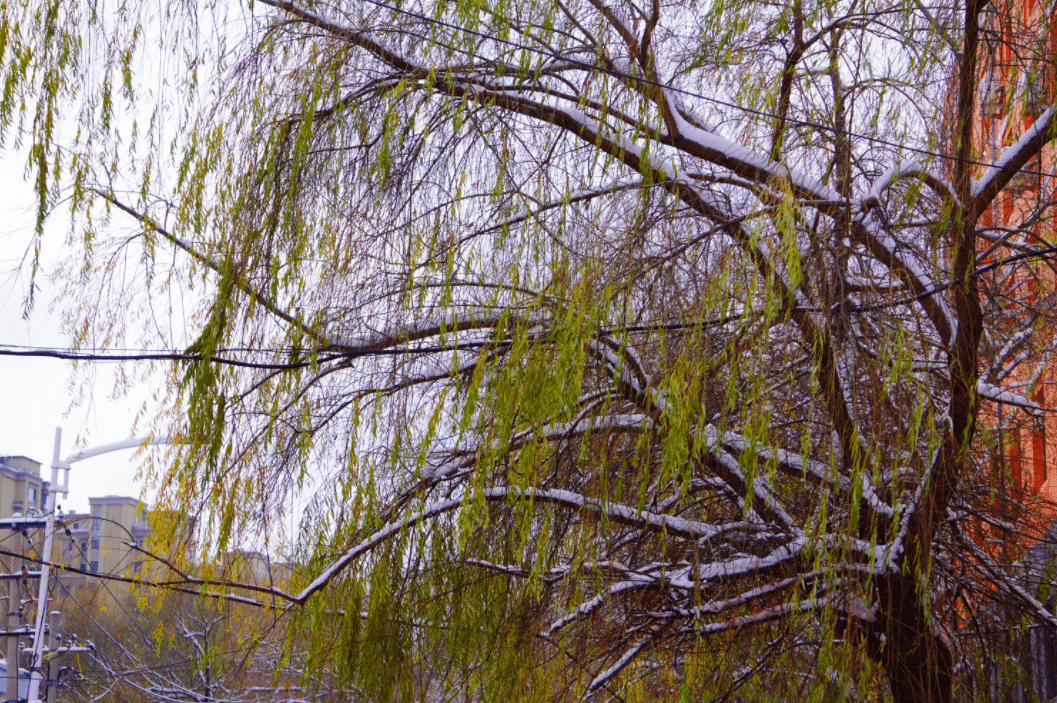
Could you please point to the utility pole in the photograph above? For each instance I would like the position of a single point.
(45, 571)
(53, 661)
(36, 668)
(12, 641)
(14, 602)
(15, 628)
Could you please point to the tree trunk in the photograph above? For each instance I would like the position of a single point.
(917, 661)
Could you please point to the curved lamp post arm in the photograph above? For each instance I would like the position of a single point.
(64, 464)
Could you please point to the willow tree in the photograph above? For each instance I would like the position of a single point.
(626, 350)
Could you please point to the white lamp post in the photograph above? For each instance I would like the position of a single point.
(37, 665)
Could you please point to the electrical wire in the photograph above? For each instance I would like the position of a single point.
(100, 676)
(178, 664)
(102, 580)
(289, 6)
(117, 601)
(116, 642)
(15, 350)
(25, 557)
(1045, 253)
(144, 582)
(103, 674)
(103, 583)
(52, 352)
(95, 622)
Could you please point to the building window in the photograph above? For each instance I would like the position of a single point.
(95, 565)
(992, 95)
(31, 496)
(96, 527)
(76, 525)
(84, 567)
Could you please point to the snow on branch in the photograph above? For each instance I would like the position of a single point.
(623, 514)
(423, 329)
(590, 605)
(1001, 579)
(742, 160)
(905, 170)
(692, 577)
(996, 394)
(1012, 160)
(619, 665)
(889, 252)
(773, 613)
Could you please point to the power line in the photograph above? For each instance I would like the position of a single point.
(172, 355)
(178, 664)
(95, 622)
(181, 664)
(150, 584)
(289, 6)
(133, 350)
(51, 352)
(103, 583)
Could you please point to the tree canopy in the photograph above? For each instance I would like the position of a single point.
(620, 350)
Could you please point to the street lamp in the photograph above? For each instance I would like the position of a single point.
(57, 464)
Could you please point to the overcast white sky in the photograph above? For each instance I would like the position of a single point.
(36, 392)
